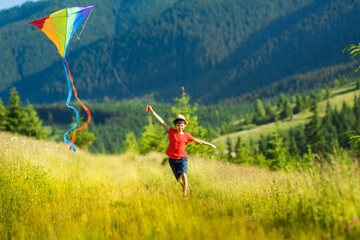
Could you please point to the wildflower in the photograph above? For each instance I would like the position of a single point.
(355, 220)
(350, 227)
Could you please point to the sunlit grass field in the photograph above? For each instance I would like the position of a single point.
(48, 192)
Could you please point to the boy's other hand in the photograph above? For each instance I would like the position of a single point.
(148, 108)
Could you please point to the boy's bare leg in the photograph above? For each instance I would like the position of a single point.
(185, 183)
(181, 182)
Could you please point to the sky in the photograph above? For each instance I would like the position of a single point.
(5, 4)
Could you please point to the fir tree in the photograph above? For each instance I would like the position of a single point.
(84, 138)
(357, 83)
(276, 157)
(286, 111)
(2, 116)
(31, 124)
(314, 131)
(263, 144)
(259, 112)
(300, 105)
(14, 114)
(356, 110)
(131, 143)
(184, 107)
(281, 102)
(243, 153)
(270, 114)
(153, 138)
(248, 119)
(229, 149)
(327, 92)
(330, 135)
(293, 147)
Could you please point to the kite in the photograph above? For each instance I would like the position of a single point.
(59, 27)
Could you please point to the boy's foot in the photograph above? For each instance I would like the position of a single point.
(185, 198)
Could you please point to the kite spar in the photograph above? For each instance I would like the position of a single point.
(59, 27)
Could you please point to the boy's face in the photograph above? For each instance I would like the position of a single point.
(180, 127)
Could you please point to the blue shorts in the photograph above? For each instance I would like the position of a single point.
(178, 166)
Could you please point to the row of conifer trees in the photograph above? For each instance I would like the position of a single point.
(18, 119)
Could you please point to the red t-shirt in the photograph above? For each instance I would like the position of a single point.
(177, 144)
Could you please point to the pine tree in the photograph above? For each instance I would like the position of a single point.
(14, 114)
(84, 138)
(327, 92)
(276, 157)
(263, 144)
(2, 116)
(229, 149)
(31, 124)
(131, 143)
(357, 83)
(153, 138)
(270, 114)
(281, 102)
(300, 104)
(248, 119)
(286, 111)
(314, 131)
(313, 100)
(243, 153)
(184, 107)
(293, 147)
(330, 135)
(356, 110)
(259, 112)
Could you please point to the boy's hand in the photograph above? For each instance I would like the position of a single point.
(213, 147)
(148, 108)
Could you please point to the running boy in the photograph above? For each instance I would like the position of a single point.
(178, 139)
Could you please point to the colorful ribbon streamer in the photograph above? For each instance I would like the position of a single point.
(72, 88)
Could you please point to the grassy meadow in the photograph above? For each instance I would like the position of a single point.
(48, 192)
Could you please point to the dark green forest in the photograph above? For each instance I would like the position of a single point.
(111, 122)
(237, 50)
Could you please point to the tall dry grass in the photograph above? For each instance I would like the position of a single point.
(50, 193)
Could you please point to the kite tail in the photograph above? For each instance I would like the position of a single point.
(69, 106)
(71, 86)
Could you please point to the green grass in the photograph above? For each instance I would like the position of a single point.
(339, 95)
(48, 192)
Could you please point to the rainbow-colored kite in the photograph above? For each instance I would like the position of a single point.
(60, 26)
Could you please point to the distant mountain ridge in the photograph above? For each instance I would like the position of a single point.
(217, 49)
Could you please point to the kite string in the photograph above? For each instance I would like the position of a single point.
(107, 63)
(98, 55)
(87, 18)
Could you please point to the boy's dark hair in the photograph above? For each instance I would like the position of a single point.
(179, 121)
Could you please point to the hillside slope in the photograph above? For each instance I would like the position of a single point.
(26, 50)
(339, 96)
(217, 49)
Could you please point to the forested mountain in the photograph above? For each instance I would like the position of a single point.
(217, 49)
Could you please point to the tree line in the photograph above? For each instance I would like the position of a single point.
(300, 147)
(315, 141)
(18, 119)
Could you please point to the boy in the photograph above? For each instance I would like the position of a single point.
(178, 139)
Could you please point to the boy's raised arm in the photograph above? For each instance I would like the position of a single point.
(159, 119)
